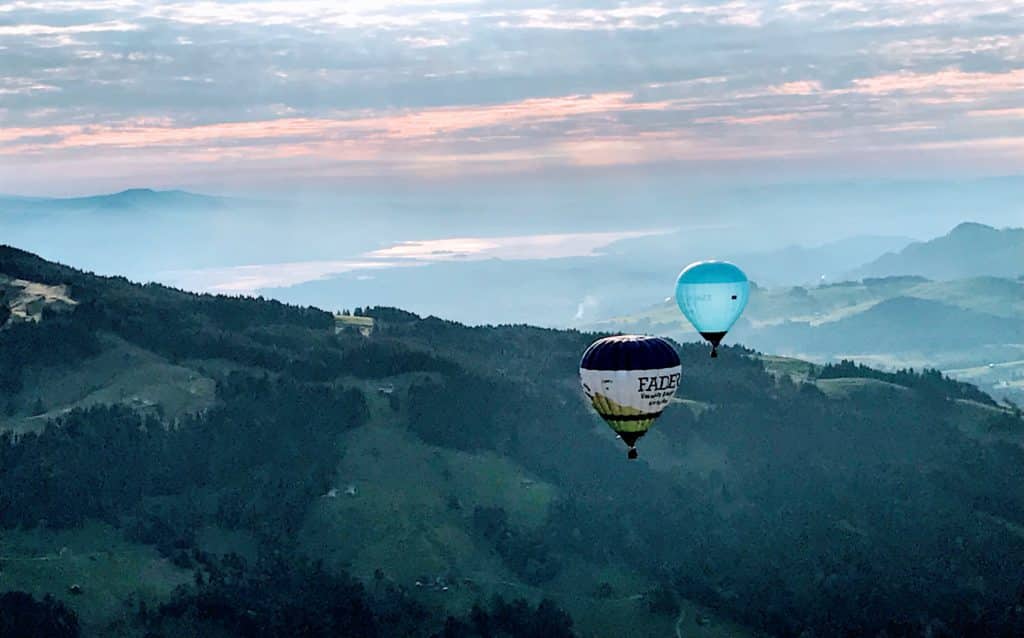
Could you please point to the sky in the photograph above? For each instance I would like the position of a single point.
(237, 97)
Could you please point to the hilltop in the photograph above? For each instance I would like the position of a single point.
(228, 444)
(133, 199)
(969, 250)
(959, 326)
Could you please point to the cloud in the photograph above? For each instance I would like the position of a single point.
(439, 87)
(774, 118)
(23, 86)
(45, 29)
(287, 134)
(954, 81)
(1012, 113)
(798, 87)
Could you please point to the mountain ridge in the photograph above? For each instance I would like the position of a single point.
(970, 249)
(121, 200)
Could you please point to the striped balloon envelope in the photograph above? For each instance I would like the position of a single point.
(630, 379)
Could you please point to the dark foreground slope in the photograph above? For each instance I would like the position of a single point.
(850, 504)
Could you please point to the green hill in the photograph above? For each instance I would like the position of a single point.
(301, 481)
(899, 324)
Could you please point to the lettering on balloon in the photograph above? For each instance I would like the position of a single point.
(658, 390)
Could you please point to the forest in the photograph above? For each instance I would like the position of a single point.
(869, 514)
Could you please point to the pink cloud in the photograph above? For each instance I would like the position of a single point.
(771, 118)
(1012, 113)
(407, 126)
(800, 87)
(1014, 145)
(51, 30)
(530, 134)
(949, 80)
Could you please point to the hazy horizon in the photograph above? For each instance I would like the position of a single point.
(375, 126)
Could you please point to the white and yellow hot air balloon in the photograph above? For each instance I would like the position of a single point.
(630, 379)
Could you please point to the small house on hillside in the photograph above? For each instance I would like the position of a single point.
(363, 324)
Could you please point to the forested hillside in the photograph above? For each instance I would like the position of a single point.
(440, 480)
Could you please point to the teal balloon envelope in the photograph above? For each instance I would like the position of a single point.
(712, 296)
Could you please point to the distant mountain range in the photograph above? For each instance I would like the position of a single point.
(150, 227)
(969, 250)
(131, 199)
(561, 292)
(960, 326)
(140, 231)
(635, 273)
(816, 264)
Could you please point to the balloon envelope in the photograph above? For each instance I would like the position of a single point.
(712, 295)
(630, 379)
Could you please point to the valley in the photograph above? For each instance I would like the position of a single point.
(439, 465)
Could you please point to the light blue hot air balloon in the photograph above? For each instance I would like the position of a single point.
(712, 295)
